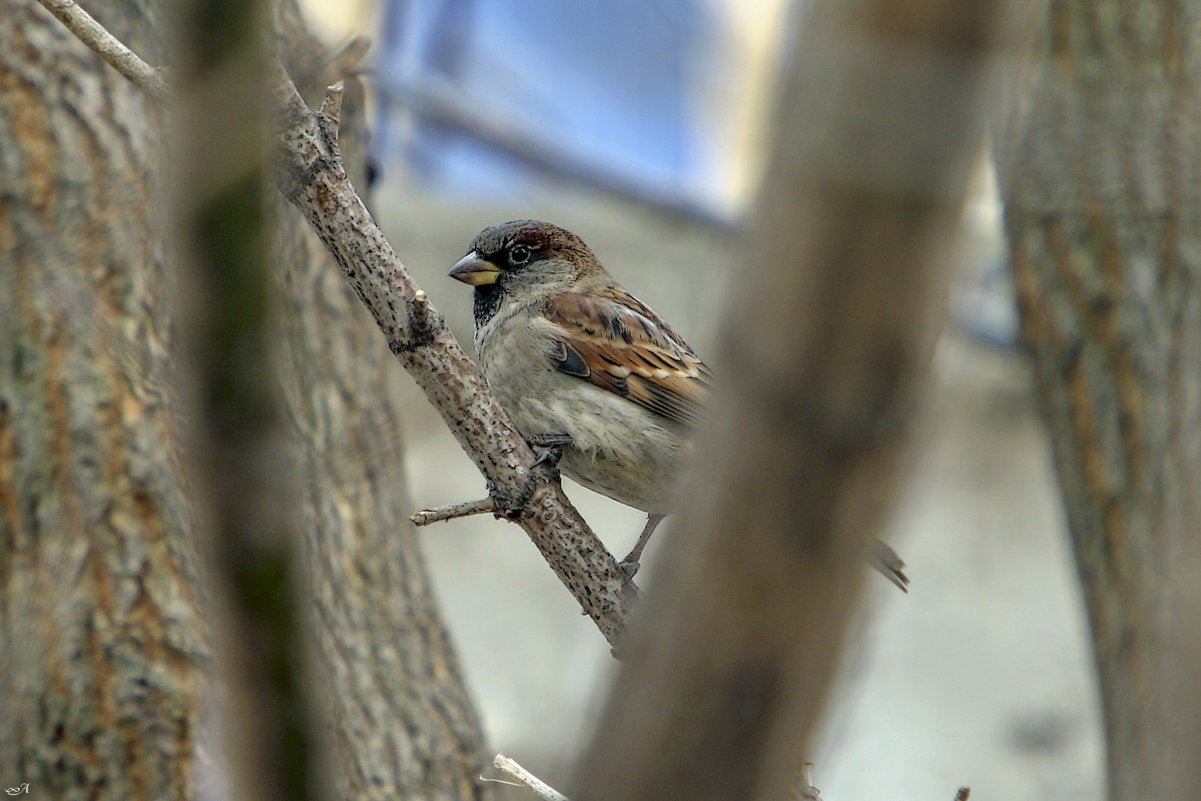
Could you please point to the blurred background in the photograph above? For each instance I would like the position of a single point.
(641, 127)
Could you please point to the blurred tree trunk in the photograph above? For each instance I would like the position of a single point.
(825, 344)
(1101, 181)
(103, 647)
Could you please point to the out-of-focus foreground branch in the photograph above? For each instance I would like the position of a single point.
(247, 518)
(825, 343)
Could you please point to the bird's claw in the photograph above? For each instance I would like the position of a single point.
(629, 568)
(550, 457)
(630, 564)
(553, 444)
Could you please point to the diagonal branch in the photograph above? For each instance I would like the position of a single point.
(85, 27)
(311, 175)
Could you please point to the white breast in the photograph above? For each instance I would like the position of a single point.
(620, 449)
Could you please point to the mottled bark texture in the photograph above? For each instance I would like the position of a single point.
(1101, 180)
(846, 272)
(403, 726)
(102, 647)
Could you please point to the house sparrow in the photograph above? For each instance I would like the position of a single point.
(568, 351)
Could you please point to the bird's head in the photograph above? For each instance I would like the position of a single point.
(526, 260)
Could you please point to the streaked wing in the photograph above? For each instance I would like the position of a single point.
(619, 344)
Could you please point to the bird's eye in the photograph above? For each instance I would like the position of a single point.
(520, 254)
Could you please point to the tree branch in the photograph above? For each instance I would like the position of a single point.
(539, 787)
(147, 78)
(311, 175)
(453, 511)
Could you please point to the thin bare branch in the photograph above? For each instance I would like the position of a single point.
(452, 511)
(108, 47)
(331, 104)
(540, 788)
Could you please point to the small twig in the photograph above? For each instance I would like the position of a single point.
(149, 79)
(492, 780)
(331, 104)
(420, 313)
(540, 788)
(463, 509)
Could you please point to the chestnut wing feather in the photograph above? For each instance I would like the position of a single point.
(619, 344)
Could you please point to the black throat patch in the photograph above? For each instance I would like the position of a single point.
(486, 303)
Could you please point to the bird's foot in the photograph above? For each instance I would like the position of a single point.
(629, 567)
(553, 445)
(630, 564)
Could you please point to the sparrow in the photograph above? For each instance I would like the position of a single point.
(574, 358)
(586, 368)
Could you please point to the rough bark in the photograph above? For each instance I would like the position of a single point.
(846, 274)
(402, 724)
(1102, 188)
(102, 647)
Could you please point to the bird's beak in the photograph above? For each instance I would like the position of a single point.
(473, 270)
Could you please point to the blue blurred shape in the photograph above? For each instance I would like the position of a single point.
(502, 91)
